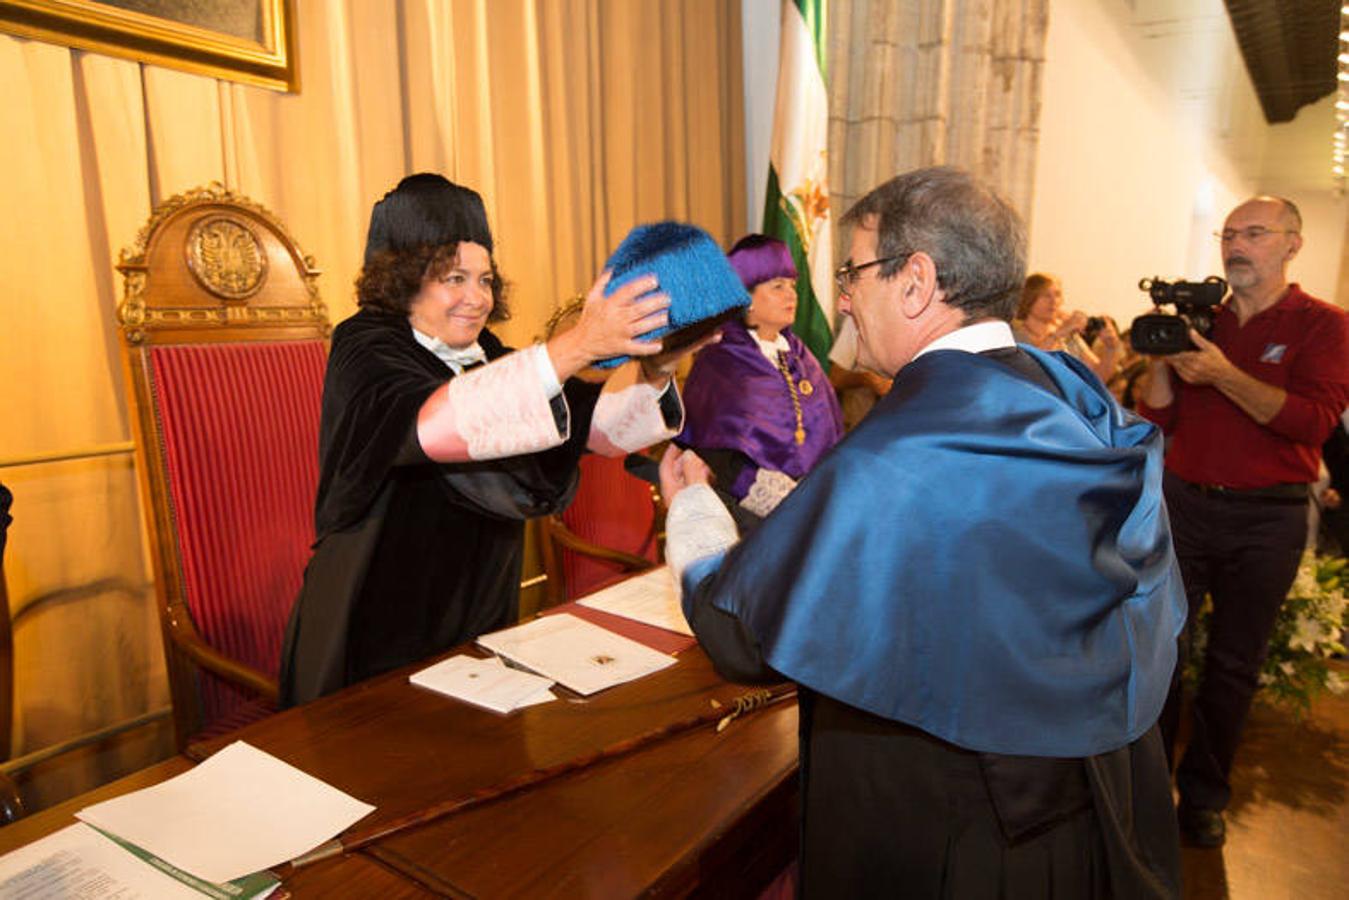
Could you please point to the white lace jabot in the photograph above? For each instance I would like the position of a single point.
(456, 358)
(771, 349)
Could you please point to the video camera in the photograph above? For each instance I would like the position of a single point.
(1158, 333)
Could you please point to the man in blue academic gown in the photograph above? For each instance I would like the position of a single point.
(975, 591)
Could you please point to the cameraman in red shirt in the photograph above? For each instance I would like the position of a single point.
(1247, 412)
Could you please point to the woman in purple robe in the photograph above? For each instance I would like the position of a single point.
(759, 409)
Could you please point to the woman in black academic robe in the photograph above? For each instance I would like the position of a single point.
(437, 442)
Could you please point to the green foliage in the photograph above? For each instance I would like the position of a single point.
(1307, 633)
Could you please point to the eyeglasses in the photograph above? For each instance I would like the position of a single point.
(1252, 234)
(846, 275)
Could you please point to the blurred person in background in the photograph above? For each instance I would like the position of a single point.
(1042, 322)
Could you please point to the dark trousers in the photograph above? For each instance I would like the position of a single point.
(1244, 552)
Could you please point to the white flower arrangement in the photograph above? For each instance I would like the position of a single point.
(1307, 633)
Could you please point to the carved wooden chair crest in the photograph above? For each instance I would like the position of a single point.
(224, 345)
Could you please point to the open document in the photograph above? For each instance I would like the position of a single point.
(575, 653)
(649, 598)
(484, 682)
(78, 861)
(238, 812)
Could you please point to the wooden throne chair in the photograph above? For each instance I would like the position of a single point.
(613, 525)
(611, 529)
(224, 347)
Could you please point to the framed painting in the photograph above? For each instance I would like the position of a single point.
(252, 41)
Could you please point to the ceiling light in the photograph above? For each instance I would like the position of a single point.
(1338, 148)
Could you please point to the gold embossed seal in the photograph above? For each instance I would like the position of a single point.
(226, 257)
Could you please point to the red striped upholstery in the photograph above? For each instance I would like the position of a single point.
(240, 431)
(612, 509)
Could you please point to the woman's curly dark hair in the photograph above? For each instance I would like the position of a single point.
(392, 278)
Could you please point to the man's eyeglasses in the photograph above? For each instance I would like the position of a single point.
(846, 275)
(1251, 234)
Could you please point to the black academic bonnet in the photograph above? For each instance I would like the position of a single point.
(427, 210)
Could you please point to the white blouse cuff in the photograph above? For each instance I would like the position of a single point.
(547, 374)
(697, 526)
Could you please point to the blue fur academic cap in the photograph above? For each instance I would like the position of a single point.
(704, 290)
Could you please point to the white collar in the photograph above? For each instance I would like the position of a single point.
(974, 338)
(457, 359)
(771, 349)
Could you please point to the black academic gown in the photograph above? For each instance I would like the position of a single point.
(888, 810)
(412, 557)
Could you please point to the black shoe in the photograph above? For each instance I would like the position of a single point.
(1202, 827)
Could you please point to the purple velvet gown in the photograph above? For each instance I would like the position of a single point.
(736, 400)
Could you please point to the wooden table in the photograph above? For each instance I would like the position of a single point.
(352, 876)
(699, 812)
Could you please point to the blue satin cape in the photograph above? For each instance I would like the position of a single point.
(979, 559)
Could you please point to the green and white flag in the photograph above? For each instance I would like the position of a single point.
(796, 208)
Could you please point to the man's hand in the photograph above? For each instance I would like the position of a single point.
(678, 470)
(1210, 366)
(1206, 365)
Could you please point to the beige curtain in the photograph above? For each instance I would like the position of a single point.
(576, 119)
(954, 82)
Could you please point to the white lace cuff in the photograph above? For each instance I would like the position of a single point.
(770, 488)
(497, 410)
(697, 526)
(630, 419)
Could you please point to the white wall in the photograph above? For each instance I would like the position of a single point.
(1150, 133)
(1297, 166)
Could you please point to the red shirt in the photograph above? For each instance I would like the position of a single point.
(1300, 344)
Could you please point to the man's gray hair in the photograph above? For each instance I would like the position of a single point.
(975, 239)
(1291, 211)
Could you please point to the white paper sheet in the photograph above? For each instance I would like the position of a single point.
(543, 696)
(77, 861)
(650, 598)
(575, 653)
(238, 812)
(484, 682)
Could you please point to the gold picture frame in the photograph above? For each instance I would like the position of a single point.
(251, 41)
